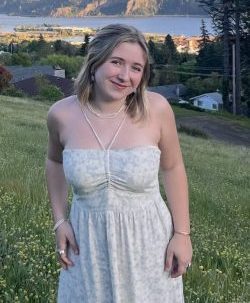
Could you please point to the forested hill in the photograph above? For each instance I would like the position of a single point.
(103, 7)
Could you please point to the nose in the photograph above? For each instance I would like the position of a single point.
(124, 74)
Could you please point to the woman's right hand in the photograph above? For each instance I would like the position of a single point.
(65, 239)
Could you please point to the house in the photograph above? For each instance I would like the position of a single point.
(210, 101)
(170, 92)
(20, 73)
(30, 87)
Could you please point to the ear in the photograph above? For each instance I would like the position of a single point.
(92, 75)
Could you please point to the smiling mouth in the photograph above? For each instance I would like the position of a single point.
(119, 85)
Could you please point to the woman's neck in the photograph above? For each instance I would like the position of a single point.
(107, 107)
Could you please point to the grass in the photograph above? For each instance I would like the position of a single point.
(183, 112)
(219, 186)
(192, 131)
(239, 120)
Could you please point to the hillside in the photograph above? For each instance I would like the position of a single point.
(219, 189)
(104, 7)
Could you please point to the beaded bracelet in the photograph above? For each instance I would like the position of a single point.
(182, 233)
(58, 223)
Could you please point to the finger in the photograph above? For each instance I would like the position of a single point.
(65, 259)
(63, 264)
(63, 256)
(178, 270)
(169, 260)
(177, 274)
(73, 244)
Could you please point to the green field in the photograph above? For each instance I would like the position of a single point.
(219, 185)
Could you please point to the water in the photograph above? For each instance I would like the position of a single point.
(173, 25)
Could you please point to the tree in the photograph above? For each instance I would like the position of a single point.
(220, 11)
(84, 46)
(11, 47)
(197, 85)
(186, 70)
(245, 57)
(44, 48)
(167, 75)
(169, 51)
(58, 45)
(33, 46)
(5, 77)
(83, 50)
(21, 59)
(41, 41)
(204, 35)
(152, 48)
(71, 65)
(231, 22)
(210, 58)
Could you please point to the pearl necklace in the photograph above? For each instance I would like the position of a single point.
(105, 116)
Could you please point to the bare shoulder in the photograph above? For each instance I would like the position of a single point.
(159, 106)
(61, 110)
(62, 106)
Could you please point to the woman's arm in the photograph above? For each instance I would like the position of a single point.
(56, 183)
(176, 188)
(58, 189)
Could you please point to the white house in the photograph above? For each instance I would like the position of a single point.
(211, 101)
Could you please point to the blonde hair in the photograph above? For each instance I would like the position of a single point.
(99, 49)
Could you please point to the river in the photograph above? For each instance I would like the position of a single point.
(173, 25)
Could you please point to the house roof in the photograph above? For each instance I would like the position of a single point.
(217, 97)
(29, 86)
(169, 91)
(21, 73)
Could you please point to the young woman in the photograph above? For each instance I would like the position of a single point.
(121, 243)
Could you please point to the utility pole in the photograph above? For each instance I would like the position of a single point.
(237, 59)
(233, 79)
(226, 7)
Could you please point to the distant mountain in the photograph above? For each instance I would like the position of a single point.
(100, 7)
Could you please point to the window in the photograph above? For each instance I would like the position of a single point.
(214, 106)
(199, 103)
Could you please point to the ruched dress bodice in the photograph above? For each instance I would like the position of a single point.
(131, 172)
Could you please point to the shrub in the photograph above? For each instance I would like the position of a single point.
(47, 91)
(50, 92)
(12, 91)
(5, 77)
(6, 59)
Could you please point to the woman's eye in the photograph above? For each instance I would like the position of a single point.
(136, 68)
(116, 62)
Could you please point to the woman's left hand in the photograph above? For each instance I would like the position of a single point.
(178, 255)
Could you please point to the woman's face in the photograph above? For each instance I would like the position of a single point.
(120, 74)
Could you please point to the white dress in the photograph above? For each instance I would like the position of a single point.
(122, 227)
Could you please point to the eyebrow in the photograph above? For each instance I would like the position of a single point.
(119, 58)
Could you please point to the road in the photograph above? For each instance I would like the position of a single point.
(218, 129)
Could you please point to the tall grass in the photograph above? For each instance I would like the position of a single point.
(219, 186)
